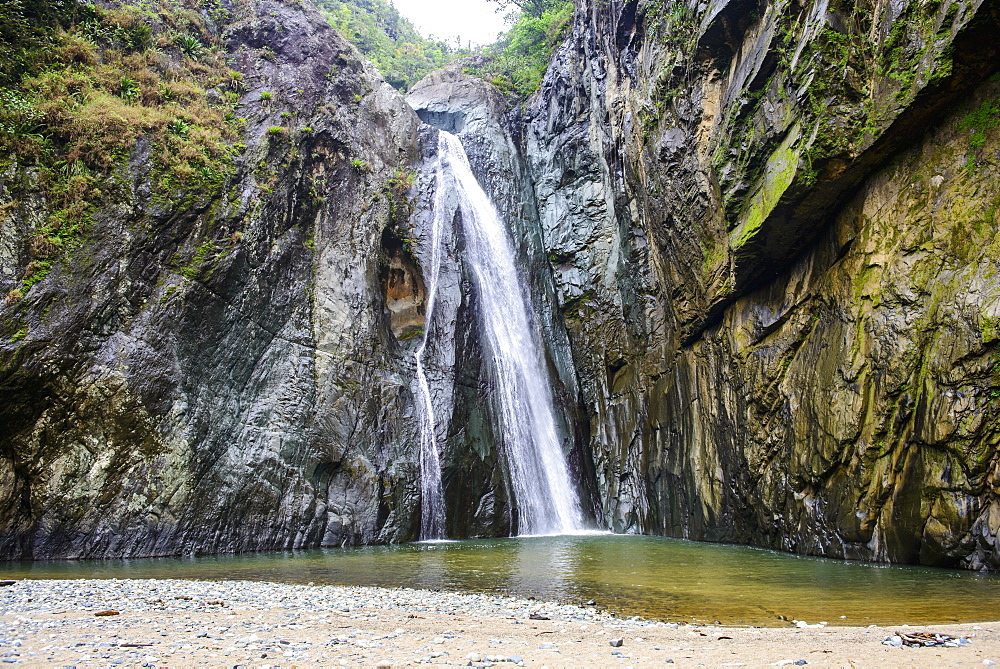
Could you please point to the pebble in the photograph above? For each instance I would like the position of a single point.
(130, 595)
(292, 606)
(129, 598)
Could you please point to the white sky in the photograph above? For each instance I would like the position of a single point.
(475, 21)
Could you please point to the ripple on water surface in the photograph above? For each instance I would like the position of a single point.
(664, 579)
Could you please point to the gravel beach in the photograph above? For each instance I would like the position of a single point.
(174, 623)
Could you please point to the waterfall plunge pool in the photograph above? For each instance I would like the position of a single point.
(652, 577)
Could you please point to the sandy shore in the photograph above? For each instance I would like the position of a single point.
(186, 623)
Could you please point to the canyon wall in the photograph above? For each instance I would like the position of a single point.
(773, 233)
(761, 238)
(219, 374)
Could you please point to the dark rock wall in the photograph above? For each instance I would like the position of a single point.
(222, 377)
(772, 234)
(864, 422)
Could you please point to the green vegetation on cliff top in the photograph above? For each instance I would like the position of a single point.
(518, 60)
(84, 88)
(515, 63)
(389, 40)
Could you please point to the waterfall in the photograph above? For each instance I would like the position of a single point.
(431, 490)
(545, 499)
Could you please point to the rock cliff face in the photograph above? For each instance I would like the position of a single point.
(221, 377)
(762, 242)
(238, 374)
(774, 241)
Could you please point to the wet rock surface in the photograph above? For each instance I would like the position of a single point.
(761, 242)
(759, 250)
(223, 377)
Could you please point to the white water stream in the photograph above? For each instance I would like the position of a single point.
(543, 494)
(431, 491)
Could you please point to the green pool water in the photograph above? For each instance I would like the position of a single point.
(652, 577)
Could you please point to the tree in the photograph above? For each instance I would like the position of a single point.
(388, 39)
(533, 8)
(517, 62)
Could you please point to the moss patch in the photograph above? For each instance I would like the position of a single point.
(778, 176)
(109, 81)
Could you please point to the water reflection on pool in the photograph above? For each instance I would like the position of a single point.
(652, 577)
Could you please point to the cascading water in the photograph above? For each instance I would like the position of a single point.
(431, 490)
(545, 499)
